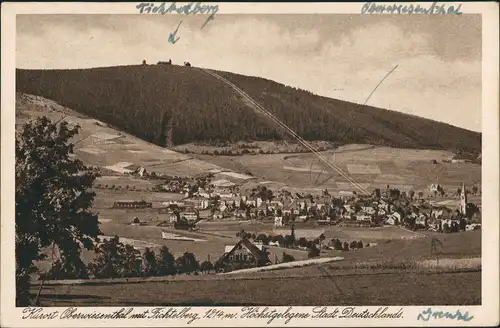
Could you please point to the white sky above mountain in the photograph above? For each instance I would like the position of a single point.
(338, 56)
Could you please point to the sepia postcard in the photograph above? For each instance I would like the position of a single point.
(213, 164)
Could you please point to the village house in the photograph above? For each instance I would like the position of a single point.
(421, 220)
(363, 223)
(362, 217)
(251, 201)
(382, 205)
(224, 195)
(243, 255)
(349, 208)
(275, 204)
(473, 226)
(132, 204)
(390, 221)
(301, 218)
(222, 207)
(173, 202)
(327, 220)
(434, 187)
(199, 202)
(437, 213)
(204, 214)
(141, 171)
(346, 215)
(190, 215)
(217, 215)
(368, 209)
(234, 201)
(172, 216)
(240, 214)
(393, 218)
(202, 193)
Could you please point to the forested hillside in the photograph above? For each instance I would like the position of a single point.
(142, 99)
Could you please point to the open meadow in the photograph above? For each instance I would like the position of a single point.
(341, 290)
(399, 254)
(113, 150)
(372, 167)
(382, 275)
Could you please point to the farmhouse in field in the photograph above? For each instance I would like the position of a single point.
(198, 202)
(132, 204)
(189, 214)
(243, 255)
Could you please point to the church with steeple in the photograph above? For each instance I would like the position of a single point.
(463, 200)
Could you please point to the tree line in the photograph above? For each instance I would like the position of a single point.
(117, 260)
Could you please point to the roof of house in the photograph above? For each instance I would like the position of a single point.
(204, 213)
(262, 206)
(256, 252)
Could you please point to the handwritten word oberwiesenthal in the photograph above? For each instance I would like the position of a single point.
(434, 9)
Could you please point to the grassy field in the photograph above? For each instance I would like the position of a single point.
(353, 233)
(309, 231)
(123, 182)
(106, 197)
(385, 289)
(372, 167)
(370, 276)
(464, 245)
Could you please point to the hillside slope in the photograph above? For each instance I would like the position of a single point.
(116, 152)
(142, 99)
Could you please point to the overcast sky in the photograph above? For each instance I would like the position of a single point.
(339, 56)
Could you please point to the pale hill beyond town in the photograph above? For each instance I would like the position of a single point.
(144, 100)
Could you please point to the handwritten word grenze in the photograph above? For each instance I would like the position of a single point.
(188, 9)
(430, 314)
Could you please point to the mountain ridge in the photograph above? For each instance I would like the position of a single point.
(142, 99)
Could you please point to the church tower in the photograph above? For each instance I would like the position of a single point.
(463, 200)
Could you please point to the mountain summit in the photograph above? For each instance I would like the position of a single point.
(148, 100)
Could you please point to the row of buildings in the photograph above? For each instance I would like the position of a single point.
(373, 210)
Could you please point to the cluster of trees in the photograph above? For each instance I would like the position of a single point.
(453, 227)
(120, 187)
(53, 202)
(117, 260)
(178, 184)
(345, 246)
(245, 151)
(290, 241)
(285, 241)
(183, 224)
(287, 258)
(144, 99)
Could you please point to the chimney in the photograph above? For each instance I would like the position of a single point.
(208, 258)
